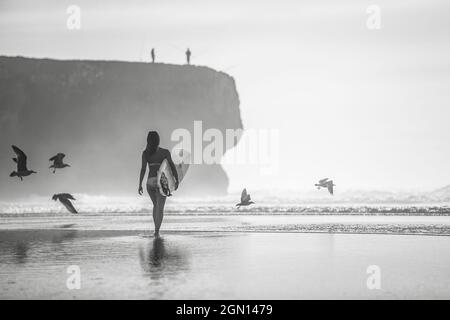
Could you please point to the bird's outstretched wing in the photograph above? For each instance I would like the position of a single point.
(21, 159)
(244, 195)
(330, 187)
(67, 196)
(58, 158)
(323, 180)
(69, 206)
(19, 153)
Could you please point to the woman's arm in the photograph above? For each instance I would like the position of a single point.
(173, 168)
(142, 173)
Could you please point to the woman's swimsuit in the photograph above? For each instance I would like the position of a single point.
(152, 180)
(154, 162)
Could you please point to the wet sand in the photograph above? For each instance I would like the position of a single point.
(129, 264)
(354, 224)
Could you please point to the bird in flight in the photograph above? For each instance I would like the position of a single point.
(245, 199)
(21, 161)
(325, 183)
(65, 198)
(58, 162)
(322, 183)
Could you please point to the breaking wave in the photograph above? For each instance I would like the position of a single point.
(105, 206)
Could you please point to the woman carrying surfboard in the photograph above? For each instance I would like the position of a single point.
(153, 156)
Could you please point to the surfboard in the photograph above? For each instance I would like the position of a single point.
(165, 179)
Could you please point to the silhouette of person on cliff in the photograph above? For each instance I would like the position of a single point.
(153, 156)
(153, 55)
(188, 56)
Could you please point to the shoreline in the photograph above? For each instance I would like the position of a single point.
(331, 224)
(119, 232)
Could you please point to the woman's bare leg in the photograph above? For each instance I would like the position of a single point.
(152, 192)
(158, 218)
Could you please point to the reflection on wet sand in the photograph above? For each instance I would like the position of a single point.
(20, 252)
(159, 259)
(120, 264)
(67, 225)
(61, 236)
(19, 246)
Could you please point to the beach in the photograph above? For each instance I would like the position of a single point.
(225, 150)
(213, 257)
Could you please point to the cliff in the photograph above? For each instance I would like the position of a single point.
(98, 113)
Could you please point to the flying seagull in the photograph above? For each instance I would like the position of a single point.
(58, 162)
(322, 183)
(330, 186)
(65, 198)
(325, 183)
(21, 161)
(245, 199)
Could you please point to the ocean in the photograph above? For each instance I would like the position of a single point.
(221, 214)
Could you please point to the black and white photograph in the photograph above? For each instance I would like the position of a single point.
(224, 150)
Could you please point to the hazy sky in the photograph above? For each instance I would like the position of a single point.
(369, 108)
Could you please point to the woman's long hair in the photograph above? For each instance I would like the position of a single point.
(152, 143)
